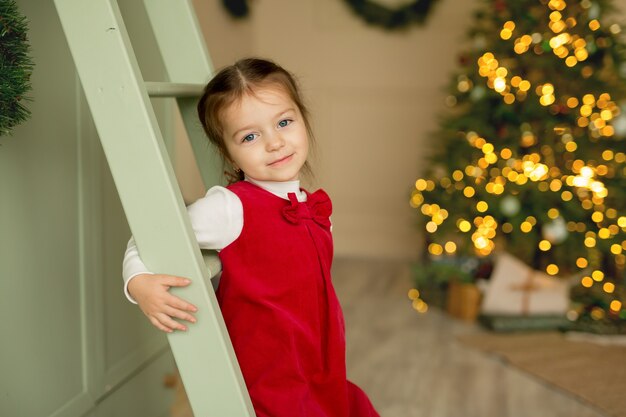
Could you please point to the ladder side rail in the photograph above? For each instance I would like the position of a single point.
(133, 145)
(174, 23)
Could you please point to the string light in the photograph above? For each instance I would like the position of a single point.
(597, 275)
(545, 245)
(417, 303)
(580, 185)
(616, 305)
(552, 269)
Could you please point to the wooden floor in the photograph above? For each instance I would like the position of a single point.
(411, 365)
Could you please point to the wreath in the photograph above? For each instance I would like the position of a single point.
(15, 67)
(398, 18)
(371, 11)
(237, 8)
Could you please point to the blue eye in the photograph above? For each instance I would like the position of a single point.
(248, 138)
(284, 122)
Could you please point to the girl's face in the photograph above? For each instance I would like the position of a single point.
(266, 136)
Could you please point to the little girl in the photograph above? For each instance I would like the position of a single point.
(275, 244)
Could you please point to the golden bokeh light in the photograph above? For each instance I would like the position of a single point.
(571, 146)
(597, 216)
(594, 25)
(420, 306)
(545, 245)
(435, 249)
(552, 269)
(597, 275)
(464, 226)
(616, 305)
(566, 195)
(450, 247)
(553, 213)
(413, 294)
(597, 313)
(420, 184)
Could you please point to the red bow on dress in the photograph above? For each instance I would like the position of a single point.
(317, 207)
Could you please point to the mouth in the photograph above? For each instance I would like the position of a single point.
(280, 161)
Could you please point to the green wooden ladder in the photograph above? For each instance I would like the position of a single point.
(120, 106)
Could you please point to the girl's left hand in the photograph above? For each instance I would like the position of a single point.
(152, 294)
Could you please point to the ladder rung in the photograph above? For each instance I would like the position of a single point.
(160, 89)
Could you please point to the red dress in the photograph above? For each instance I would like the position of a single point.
(281, 311)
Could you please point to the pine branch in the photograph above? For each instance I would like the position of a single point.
(16, 67)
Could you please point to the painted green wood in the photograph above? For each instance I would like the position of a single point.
(128, 341)
(45, 338)
(156, 89)
(150, 63)
(70, 337)
(143, 175)
(145, 395)
(175, 24)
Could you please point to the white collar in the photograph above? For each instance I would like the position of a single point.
(281, 188)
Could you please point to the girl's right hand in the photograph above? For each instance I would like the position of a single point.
(152, 294)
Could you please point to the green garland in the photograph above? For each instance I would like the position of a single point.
(399, 18)
(15, 67)
(371, 11)
(237, 8)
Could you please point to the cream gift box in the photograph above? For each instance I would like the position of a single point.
(517, 289)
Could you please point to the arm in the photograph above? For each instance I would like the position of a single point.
(217, 220)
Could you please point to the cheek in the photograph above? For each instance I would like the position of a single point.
(303, 137)
(247, 158)
(226, 152)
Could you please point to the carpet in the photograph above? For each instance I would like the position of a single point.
(592, 372)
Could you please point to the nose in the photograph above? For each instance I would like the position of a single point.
(274, 141)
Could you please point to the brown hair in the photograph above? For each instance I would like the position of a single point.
(231, 84)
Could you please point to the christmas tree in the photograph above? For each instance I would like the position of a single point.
(15, 67)
(531, 154)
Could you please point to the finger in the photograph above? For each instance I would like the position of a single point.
(167, 321)
(179, 314)
(173, 281)
(159, 326)
(181, 304)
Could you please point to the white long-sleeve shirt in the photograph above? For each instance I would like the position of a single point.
(216, 219)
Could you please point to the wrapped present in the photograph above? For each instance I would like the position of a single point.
(517, 289)
(463, 301)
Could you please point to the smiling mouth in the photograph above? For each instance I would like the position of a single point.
(280, 161)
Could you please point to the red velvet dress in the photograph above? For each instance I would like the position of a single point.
(281, 311)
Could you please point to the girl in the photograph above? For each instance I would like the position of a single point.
(275, 245)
